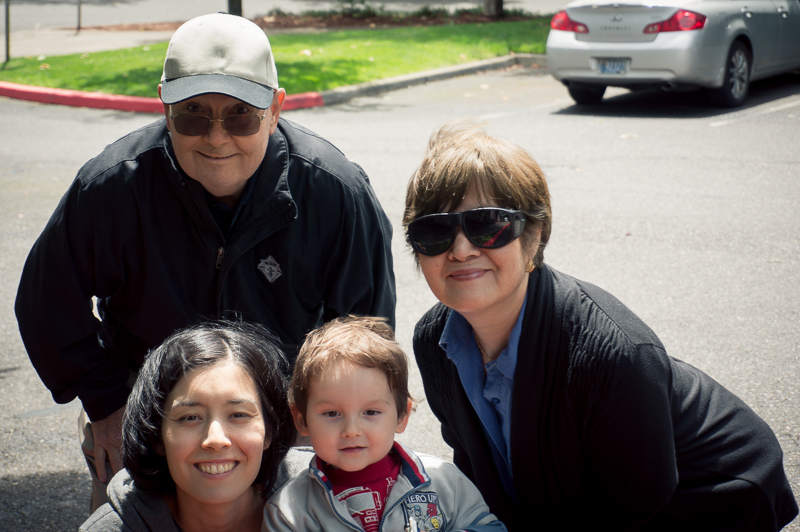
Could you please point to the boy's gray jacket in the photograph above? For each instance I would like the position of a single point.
(429, 495)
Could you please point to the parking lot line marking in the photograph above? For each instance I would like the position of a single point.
(779, 108)
(761, 112)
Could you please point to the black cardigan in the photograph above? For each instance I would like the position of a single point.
(607, 431)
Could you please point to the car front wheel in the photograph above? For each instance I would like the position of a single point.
(587, 95)
(737, 79)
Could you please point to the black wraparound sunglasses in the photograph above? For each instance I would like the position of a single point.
(237, 125)
(486, 227)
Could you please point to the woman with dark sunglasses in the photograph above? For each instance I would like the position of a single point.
(559, 403)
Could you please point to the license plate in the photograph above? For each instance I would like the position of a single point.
(612, 66)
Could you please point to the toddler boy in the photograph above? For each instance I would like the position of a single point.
(349, 396)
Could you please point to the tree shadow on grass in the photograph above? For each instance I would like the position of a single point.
(50, 501)
(137, 81)
(303, 76)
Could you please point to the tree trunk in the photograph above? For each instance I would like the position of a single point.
(493, 8)
(235, 7)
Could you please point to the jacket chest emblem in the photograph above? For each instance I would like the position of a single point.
(270, 268)
(424, 513)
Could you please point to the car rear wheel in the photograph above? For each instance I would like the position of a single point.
(587, 95)
(737, 78)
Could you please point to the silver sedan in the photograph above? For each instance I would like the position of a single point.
(718, 45)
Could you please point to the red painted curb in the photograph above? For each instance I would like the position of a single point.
(81, 99)
(138, 104)
(304, 100)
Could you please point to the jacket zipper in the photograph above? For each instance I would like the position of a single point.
(387, 511)
(398, 502)
(329, 495)
(286, 212)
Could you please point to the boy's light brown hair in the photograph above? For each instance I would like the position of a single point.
(361, 340)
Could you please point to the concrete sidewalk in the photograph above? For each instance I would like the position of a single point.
(49, 41)
(44, 42)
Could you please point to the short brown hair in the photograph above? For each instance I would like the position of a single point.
(361, 340)
(461, 157)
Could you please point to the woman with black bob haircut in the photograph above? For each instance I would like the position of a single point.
(206, 433)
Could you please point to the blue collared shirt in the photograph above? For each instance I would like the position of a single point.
(489, 390)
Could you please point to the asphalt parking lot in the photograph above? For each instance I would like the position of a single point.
(688, 215)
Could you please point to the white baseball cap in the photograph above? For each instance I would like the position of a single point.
(219, 54)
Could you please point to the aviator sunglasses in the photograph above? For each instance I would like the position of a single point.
(486, 227)
(236, 125)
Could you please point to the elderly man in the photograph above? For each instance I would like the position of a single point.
(221, 209)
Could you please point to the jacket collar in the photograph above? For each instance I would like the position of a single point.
(410, 466)
(271, 204)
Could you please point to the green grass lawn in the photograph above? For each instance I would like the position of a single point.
(306, 62)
